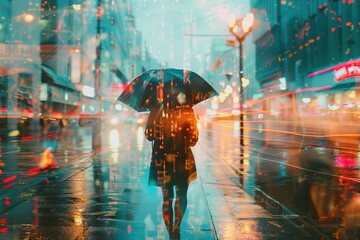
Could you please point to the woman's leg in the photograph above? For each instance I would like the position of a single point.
(168, 196)
(180, 205)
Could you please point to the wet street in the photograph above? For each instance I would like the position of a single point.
(279, 186)
(272, 88)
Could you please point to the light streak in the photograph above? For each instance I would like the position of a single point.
(9, 179)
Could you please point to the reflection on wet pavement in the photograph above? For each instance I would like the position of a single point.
(318, 184)
(310, 191)
(100, 197)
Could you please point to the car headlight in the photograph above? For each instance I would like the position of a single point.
(114, 120)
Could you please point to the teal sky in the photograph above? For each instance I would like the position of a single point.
(167, 24)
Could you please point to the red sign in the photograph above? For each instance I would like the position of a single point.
(347, 70)
(118, 86)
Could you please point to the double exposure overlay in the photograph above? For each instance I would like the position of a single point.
(180, 119)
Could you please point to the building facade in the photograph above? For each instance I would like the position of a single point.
(58, 56)
(307, 55)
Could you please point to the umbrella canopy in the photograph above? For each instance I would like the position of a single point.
(171, 87)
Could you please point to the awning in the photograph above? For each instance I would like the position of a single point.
(344, 87)
(59, 80)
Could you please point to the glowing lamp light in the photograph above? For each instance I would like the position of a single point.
(88, 91)
(228, 89)
(29, 18)
(235, 29)
(222, 97)
(283, 84)
(214, 105)
(333, 107)
(114, 139)
(235, 112)
(140, 138)
(14, 133)
(118, 107)
(245, 82)
(248, 22)
(231, 21)
(349, 105)
(236, 99)
(114, 121)
(76, 7)
(306, 100)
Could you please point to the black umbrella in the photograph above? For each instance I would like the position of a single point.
(167, 86)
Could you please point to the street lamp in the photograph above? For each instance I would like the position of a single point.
(240, 28)
(29, 18)
(97, 128)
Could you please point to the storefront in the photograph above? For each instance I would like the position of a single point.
(59, 97)
(334, 92)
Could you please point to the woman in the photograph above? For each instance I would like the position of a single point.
(172, 131)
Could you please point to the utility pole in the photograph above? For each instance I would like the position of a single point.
(97, 128)
(241, 107)
(245, 25)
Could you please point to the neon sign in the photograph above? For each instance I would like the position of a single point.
(347, 70)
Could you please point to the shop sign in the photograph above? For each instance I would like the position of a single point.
(44, 92)
(88, 91)
(348, 70)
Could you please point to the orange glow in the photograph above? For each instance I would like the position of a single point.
(231, 21)
(100, 12)
(29, 18)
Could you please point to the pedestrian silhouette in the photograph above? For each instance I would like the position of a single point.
(172, 129)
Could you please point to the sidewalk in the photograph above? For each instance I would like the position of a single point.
(100, 198)
(235, 214)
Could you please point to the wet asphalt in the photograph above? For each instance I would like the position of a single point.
(260, 191)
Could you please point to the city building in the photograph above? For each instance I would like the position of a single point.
(57, 57)
(19, 77)
(307, 58)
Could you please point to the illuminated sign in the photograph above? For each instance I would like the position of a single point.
(283, 84)
(348, 70)
(44, 92)
(118, 86)
(88, 91)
